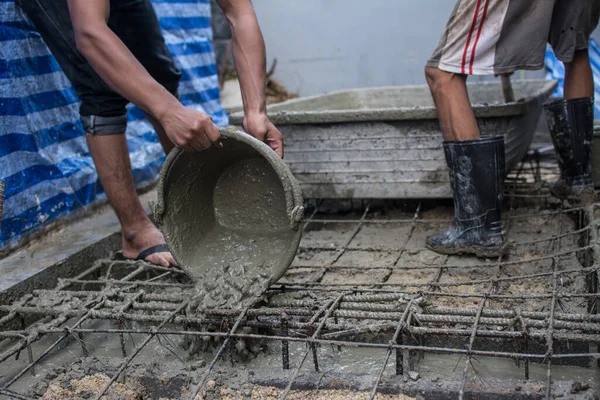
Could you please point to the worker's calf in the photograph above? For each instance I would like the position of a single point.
(449, 92)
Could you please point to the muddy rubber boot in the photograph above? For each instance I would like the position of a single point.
(571, 125)
(477, 180)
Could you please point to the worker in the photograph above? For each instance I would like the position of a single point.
(485, 37)
(113, 52)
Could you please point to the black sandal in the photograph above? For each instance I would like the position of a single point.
(159, 248)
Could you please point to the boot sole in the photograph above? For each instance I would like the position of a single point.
(478, 251)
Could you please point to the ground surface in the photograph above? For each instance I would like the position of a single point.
(133, 390)
(364, 266)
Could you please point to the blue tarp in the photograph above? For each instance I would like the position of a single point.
(556, 70)
(43, 155)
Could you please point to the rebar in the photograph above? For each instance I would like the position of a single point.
(285, 351)
(153, 331)
(310, 341)
(228, 337)
(399, 317)
(14, 395)
(394, 340)
(550, 338)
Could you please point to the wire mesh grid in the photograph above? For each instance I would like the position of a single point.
(362, 279)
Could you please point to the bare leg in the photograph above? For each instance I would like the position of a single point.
(579, 81)
(449, 92)
(138, 233)
(165, 142)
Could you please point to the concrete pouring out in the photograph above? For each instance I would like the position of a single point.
(231, 218)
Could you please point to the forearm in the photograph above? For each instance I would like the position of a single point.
(249, 58)
(118, 67)
(250, 64)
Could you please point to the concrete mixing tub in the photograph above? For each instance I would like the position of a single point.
(386, 142)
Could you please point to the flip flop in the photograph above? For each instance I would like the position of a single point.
(159, 248)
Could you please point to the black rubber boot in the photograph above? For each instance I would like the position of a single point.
(571, 125)
(477, 180)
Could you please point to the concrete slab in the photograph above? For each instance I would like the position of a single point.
(62, 252)
(368, 262)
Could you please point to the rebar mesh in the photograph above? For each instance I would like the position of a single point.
(362, 279)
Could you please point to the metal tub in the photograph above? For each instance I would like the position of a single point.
(386, 142)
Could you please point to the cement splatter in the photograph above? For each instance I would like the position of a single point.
(91, 385)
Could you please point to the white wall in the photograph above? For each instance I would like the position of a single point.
(325, 45)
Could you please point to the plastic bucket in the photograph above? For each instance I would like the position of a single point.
(231, 217)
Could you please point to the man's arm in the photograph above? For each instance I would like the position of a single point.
(249, 58)
(112, 60)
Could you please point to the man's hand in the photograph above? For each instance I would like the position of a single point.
(189, 129)
(261, 127)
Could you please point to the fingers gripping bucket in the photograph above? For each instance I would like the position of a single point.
(231, 217)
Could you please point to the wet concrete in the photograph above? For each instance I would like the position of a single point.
(394, 253)
(236, 266)
(166, 371)
(231, 218)
(392, 250)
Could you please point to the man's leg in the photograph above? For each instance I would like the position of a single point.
(449, 92)
(570, 122)
(579, 81)
(165, 142)
(111, 156)
(132, 21)
(109, 151)
(476, 172)
(476, 165)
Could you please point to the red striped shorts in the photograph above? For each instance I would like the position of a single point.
(485, 37)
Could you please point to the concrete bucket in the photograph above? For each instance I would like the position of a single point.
(231, 217)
